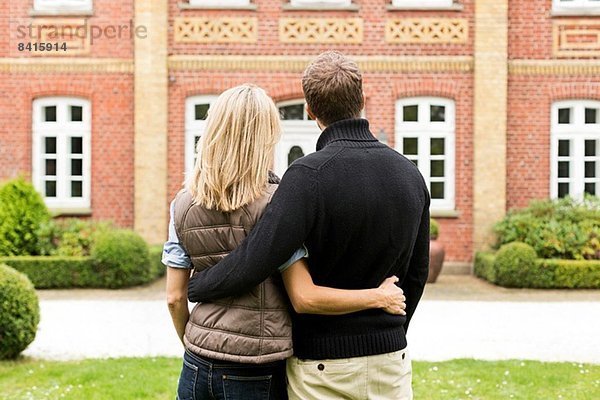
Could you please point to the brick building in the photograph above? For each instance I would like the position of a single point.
(498, 102)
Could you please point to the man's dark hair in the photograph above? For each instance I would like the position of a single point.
(332, 86)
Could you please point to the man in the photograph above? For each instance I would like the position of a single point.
(362, 211)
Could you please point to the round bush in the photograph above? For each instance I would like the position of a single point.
(19, 312)
(514, 264)
(22, 212)
(434, 229)
(121, 257)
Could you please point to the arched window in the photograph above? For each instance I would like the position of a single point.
(299, 136)
(62, 152)
(425, 135)
(575, 149)
(196, 109)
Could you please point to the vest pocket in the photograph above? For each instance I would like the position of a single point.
(247, 387)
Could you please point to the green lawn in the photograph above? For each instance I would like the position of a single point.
(156, 378)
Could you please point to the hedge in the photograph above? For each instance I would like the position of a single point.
(78, 272)
(544, 273)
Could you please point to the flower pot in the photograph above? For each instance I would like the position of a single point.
(436, 260)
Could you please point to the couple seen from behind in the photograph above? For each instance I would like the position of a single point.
(305, 287)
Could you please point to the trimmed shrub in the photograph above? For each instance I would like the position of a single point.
(19, 312)
(122, 258)
(484, 266)
(563, 228)
(434, 229)
(69, 237)
(157, 268)
(56, 272)
(22, 212)
(513, 264)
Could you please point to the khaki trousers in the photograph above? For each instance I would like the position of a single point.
(380, 377)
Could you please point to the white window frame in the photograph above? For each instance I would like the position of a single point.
(194, 128)
(424, 131)
(575, 5)
(320, 3)
(62, 129)
(577, 132)
(63, 5)
(425, 4)
(219, 3)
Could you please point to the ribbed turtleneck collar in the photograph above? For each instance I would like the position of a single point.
(354, 130)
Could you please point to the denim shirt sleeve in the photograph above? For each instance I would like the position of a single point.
(299, 254)
(174, 255)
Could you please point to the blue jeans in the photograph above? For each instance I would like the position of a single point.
(205, 379)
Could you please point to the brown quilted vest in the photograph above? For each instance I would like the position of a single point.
(251, 328)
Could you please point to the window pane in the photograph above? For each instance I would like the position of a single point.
(411, 113)
(437, 168)
(437, 146)
(437, 190)
(76, 189)
(416, 162)
(76, 145)
(438, 114)
(50, 167)
(590, 188)
(77, 167)
(200, 111)
(563, 169)
(294, 154)
(50, 189)
(590, 148)
(591, 116)
(50, 114)
(590, 169)
(50, 145)
(563, 189)
(411, 146)
(564, 148)
(564, 115)
(76, 113)
(293, 112)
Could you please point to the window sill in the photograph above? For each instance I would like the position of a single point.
(453, 7)
(291, 7)
(444, 214)
(71, 211)
(187, 6)
(61, 13)
(575, 13)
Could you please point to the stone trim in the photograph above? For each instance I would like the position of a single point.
(299, 63)
(291, 7)
(67, 65)
(188, 6)
(453, 7)
(565, 33)
(554, 67)
(427, 30)
(215, 30)
(321, 30)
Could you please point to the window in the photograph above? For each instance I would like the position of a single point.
(61, 152)
(62, 5)
(219, 3)
(423, 3)
(573, 5)
(425, 135)
(320, 3)
(299, 137)
(196, 110)
(575, 148)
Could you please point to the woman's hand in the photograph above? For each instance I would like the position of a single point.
(392, 297)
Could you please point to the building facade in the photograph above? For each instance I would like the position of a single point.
(497, 102)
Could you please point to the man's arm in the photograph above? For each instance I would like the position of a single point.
(282, 230)
(418, 267)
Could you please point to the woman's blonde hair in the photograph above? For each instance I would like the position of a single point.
(236, 150)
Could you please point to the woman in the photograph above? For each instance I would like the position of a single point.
(236, 347)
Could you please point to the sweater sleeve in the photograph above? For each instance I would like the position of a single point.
(281, 231)
(418, 268)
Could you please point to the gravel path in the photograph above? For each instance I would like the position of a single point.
(441, 330)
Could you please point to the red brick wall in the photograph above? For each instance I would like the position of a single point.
(381, 90)
(112, 133)
(530, 101)
(530, 29)
(373, 12)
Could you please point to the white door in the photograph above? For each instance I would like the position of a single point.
(299, 137)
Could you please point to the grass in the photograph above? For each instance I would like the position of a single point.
(156, 378)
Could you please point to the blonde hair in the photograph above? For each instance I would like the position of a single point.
(236, 150)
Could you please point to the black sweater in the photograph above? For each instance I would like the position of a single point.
(362, 210)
